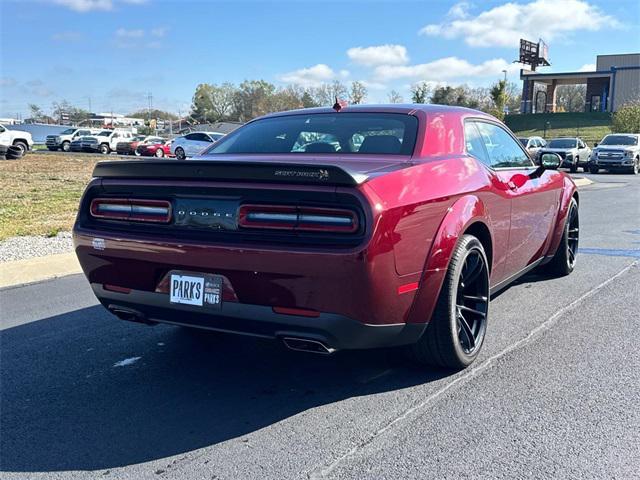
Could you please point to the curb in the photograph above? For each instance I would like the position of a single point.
(582, 182)
(20, 272)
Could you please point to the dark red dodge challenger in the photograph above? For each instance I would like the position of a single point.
(328, 229)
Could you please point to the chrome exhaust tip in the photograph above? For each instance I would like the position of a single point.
(307, 345)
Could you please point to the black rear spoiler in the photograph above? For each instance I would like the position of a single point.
(227, 171)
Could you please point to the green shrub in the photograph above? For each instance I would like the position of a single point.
(627, 119)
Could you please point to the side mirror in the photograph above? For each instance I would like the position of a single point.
(550, 161)
(595, 144)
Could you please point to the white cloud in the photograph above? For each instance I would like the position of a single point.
(66, 36)
(445, 69)
(94, 5)
(124, 33)
(459, 10)
(139, 38)
(86, 5)
(312, 76)
(159, 31)
(379, 55)
(7, 82)
(506, 24)
(588, 67)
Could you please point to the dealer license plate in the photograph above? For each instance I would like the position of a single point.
(200, 291)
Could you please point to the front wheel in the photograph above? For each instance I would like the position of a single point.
(454, 336)
(180, 155)
(635, 170)
(104, 149)
(593, 169)
(564, 261)
(66, 146)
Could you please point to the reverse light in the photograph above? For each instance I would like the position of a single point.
(283, 217)
(158, 211)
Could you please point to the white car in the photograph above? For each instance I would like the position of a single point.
(17, 138)
(193, 143)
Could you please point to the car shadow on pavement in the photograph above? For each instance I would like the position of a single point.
(65, 404)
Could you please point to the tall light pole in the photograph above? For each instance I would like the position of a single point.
(505, 75)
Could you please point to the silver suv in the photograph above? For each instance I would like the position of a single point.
(617, 151)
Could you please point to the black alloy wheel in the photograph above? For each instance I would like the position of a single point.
(455, 334)
(564, 260)
(472, 302)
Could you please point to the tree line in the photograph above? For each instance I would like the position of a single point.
(252, 98)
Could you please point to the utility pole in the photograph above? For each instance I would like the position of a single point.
(505, 76)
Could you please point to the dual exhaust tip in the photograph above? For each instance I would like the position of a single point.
(292, 343)
(307, 345)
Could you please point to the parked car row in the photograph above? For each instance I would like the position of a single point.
(616, 152)
(124, 142)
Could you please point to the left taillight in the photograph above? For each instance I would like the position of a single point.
(158, 211)
(297, 218)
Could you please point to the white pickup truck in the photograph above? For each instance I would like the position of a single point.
(17, 138)
(103, 142)
(62, 141)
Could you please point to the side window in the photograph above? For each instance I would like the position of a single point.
(543, 143)
(474, 143)
(2, 129)
(503, 150)
(191, 136)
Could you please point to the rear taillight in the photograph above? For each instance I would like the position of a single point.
(298, 218)
(158, 211)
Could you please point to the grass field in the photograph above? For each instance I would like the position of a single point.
(39, 194)
(591, 127)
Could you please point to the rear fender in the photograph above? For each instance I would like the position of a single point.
(463, 213)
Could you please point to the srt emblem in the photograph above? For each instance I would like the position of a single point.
(320, 174)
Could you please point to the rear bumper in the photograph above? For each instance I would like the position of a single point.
(335, 331)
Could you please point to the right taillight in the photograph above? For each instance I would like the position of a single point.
(284, 217)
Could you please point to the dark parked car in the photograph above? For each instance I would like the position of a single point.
(573, 151)
(392, 226)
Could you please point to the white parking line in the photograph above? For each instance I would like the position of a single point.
(467, 375)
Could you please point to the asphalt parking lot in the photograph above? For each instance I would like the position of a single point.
(554, 393)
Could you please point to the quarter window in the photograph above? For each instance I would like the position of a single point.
(474, 143)
(503, 151)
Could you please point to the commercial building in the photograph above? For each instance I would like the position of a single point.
(615, 81)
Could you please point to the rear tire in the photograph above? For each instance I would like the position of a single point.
(564, 261)
(454, 336)
(180, 155)
(159, 153)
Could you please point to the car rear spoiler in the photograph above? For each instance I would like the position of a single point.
(228, 171)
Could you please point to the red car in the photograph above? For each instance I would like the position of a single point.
(369, 226)
(160, 148)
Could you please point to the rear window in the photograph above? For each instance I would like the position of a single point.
(324, 133)
(562, 143)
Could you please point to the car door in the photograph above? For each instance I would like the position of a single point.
(5, 136)
(190, 144)
(202, 142)
(583, 151)
(534, 201)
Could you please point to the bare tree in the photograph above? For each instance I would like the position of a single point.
(325, 94)
(570, 98)
(358, 93)
(395, 97)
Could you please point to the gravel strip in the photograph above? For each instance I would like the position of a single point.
(19, 248)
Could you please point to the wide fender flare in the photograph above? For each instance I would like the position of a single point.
(466, 211)
(569, 190)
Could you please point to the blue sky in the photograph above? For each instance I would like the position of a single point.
(115, 51)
